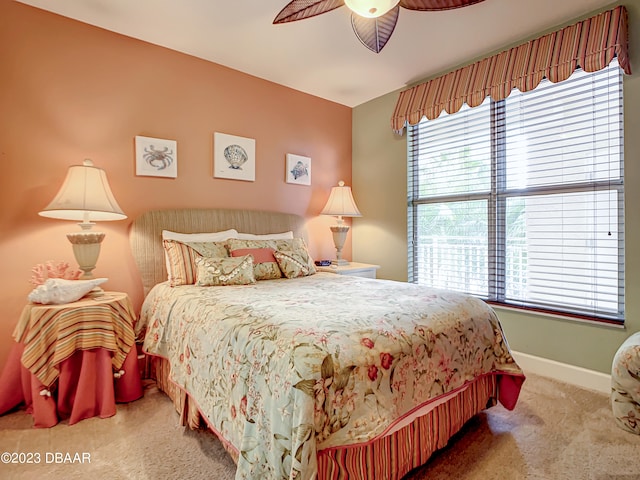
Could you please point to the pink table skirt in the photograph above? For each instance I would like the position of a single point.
(85, 388)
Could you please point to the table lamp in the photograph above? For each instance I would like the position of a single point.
(340, 204)
(85, 196)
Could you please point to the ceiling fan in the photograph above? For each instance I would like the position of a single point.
(373, 21)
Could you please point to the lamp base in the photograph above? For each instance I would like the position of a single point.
(339, 236)
(86, 249)
(339, 262)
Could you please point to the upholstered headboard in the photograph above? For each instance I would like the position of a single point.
(145, 235)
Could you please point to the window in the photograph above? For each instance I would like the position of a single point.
(520, 201)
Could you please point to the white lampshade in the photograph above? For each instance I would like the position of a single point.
(340, 204)
(371, 8)
(85, 196)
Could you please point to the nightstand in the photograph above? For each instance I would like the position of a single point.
(73, 360)
(354, 269)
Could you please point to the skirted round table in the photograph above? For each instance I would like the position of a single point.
(73, 361)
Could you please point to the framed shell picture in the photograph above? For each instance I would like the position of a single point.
(234, 157)
(298, 169)
(156, 157)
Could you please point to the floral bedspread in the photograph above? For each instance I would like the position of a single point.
(284, 368)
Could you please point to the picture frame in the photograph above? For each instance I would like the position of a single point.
(298, 169)
(234, 157)
(156, 157)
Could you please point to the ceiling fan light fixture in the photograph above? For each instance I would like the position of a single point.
(373, 21)
(371, 8)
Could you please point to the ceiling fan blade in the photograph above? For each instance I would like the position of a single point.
(375, 32)
(433, 5)
(300, 9)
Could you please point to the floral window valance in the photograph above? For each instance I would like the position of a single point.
(590, 44)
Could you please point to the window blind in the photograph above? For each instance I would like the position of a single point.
(521, 201)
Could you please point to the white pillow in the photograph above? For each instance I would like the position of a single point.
(200, 237)
(267, 236)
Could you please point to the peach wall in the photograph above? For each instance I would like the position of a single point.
(70, 91)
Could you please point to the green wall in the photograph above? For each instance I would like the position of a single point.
(380, 236)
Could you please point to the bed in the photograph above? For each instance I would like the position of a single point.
(318, 375)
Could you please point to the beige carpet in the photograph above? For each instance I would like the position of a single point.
(556, 432)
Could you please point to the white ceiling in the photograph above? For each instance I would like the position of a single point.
(321, 55)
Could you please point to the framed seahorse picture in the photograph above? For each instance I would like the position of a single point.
(298, 169)
(156, 157)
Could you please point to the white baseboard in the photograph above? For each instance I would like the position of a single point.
(578, 376)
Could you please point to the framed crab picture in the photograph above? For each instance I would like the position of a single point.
(156, 157)
(234, 157)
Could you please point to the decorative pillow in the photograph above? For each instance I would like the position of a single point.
(267, 236)
(260, 255)
(181, 257)
(295, 261)
(210, 249)
(200, 237)
(224, 271)
(265, 266)
(292, 263)
(195, 237)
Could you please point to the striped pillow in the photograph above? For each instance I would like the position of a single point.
(181, 259)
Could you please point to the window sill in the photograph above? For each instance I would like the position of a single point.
(558, 316)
